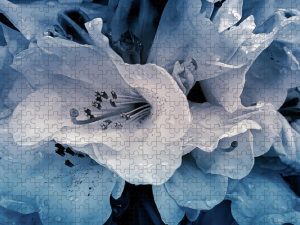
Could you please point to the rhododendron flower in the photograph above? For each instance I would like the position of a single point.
(137, 112)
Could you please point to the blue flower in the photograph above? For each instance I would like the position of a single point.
(263, 198)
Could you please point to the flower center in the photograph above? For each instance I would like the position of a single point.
(112, 110)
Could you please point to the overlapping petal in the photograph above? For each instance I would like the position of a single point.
(228, 142)
(85, 69)
(287, 144)
(39, 180)
(222, 69)
(35, 18)
(263, 198)
(282, 71)
(188, 191)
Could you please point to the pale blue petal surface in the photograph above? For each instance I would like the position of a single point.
(235, 163)
(38, 180)
(263, 198)
(192, 188)
(170, 212)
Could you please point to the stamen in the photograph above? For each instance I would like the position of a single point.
(75, 114)
(112, 103)
(97, 105)
(103, 94)
(98, 98)
(114, 95)
(130, 97)
(118, 125)
(140, 115)
(129, 107)
(88, 113)
(105, 124)
(136, 111)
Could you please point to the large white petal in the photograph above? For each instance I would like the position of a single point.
(47, 110)
(141, 162)
(168, 121)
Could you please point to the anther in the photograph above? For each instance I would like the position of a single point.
(118, 125)
(234, 144)
(219, 3)
(99, 98)
(69, 163)
(112, 103)
(88, 113)
(103, 94)
(105, 124)
(114, 95)
(97, 105)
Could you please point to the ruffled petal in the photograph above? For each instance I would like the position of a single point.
(228, 14)
(74, 190)
(212, 123)
(230, 85)
(262, 10)
(270, 83)
(80, 62)
(192, 188)
(169, 211)
(266, 116)
(235, 163)
(263, 198)
(184, 33)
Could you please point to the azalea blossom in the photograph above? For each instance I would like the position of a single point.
(227, 143)
(211, 116)
(224, 49)
(134, 116)
(38, 180)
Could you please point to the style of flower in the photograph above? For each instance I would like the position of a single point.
(133, 115)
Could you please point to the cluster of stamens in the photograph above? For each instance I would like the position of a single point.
(120, 107)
